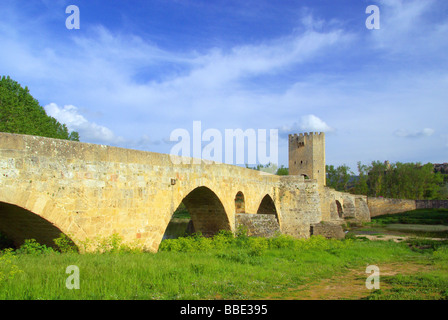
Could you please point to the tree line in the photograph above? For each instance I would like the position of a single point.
(21, 113)
(382, 179)
(390, 180)
(270, 168)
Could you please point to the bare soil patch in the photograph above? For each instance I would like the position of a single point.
(350, 284)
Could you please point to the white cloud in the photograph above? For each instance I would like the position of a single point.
(88, 131)
(307, 123)
(404, 28)
(313, 123)
(217, 68)
(426, 132)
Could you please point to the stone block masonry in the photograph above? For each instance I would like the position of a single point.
(433, 204)
(87, 191)
(307, 156)
(380, 206)
(258, 225)
(328, 230)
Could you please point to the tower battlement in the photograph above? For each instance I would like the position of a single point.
(306, 134)
(301, 139)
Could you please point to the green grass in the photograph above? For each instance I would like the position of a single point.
(420, 224)
(221, 268)
(431, 285)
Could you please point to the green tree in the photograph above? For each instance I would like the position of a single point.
(271, 168)
(361, 186)
(399, 180)
(442, 193)
(338, 178)
(282, 171)
(376, 179)
(21, 113)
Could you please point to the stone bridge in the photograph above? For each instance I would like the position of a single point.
(50, 186)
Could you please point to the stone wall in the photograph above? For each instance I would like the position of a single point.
(87, 191)
(299, 204)
(429, 204)
(258, 225)
(380, 206)
(328, 230)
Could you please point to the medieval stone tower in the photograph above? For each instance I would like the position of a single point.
(307, 156)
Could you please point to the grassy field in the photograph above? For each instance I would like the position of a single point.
(228, 267)
(428, 223)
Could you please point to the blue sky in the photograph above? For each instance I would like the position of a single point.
(137, 70)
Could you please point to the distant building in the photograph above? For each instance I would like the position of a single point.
(441, 167)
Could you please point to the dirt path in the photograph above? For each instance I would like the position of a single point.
(350, 285)
(394, 238)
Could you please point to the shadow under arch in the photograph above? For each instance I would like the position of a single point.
(19, 224)
(267, 206)
(240, 206)
(207, 211)
(340, 211)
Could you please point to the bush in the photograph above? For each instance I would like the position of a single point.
(282, 241)
(253, 245)
(7, 269)
(223, 239)
(31, 246)
(110, 244)
(65, 244)
(257, 246)
(195, 242)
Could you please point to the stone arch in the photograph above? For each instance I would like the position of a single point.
(45, 208)
(267, 206)
(240, 206)
(207, 211)
(339, 209)
(19, 224)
